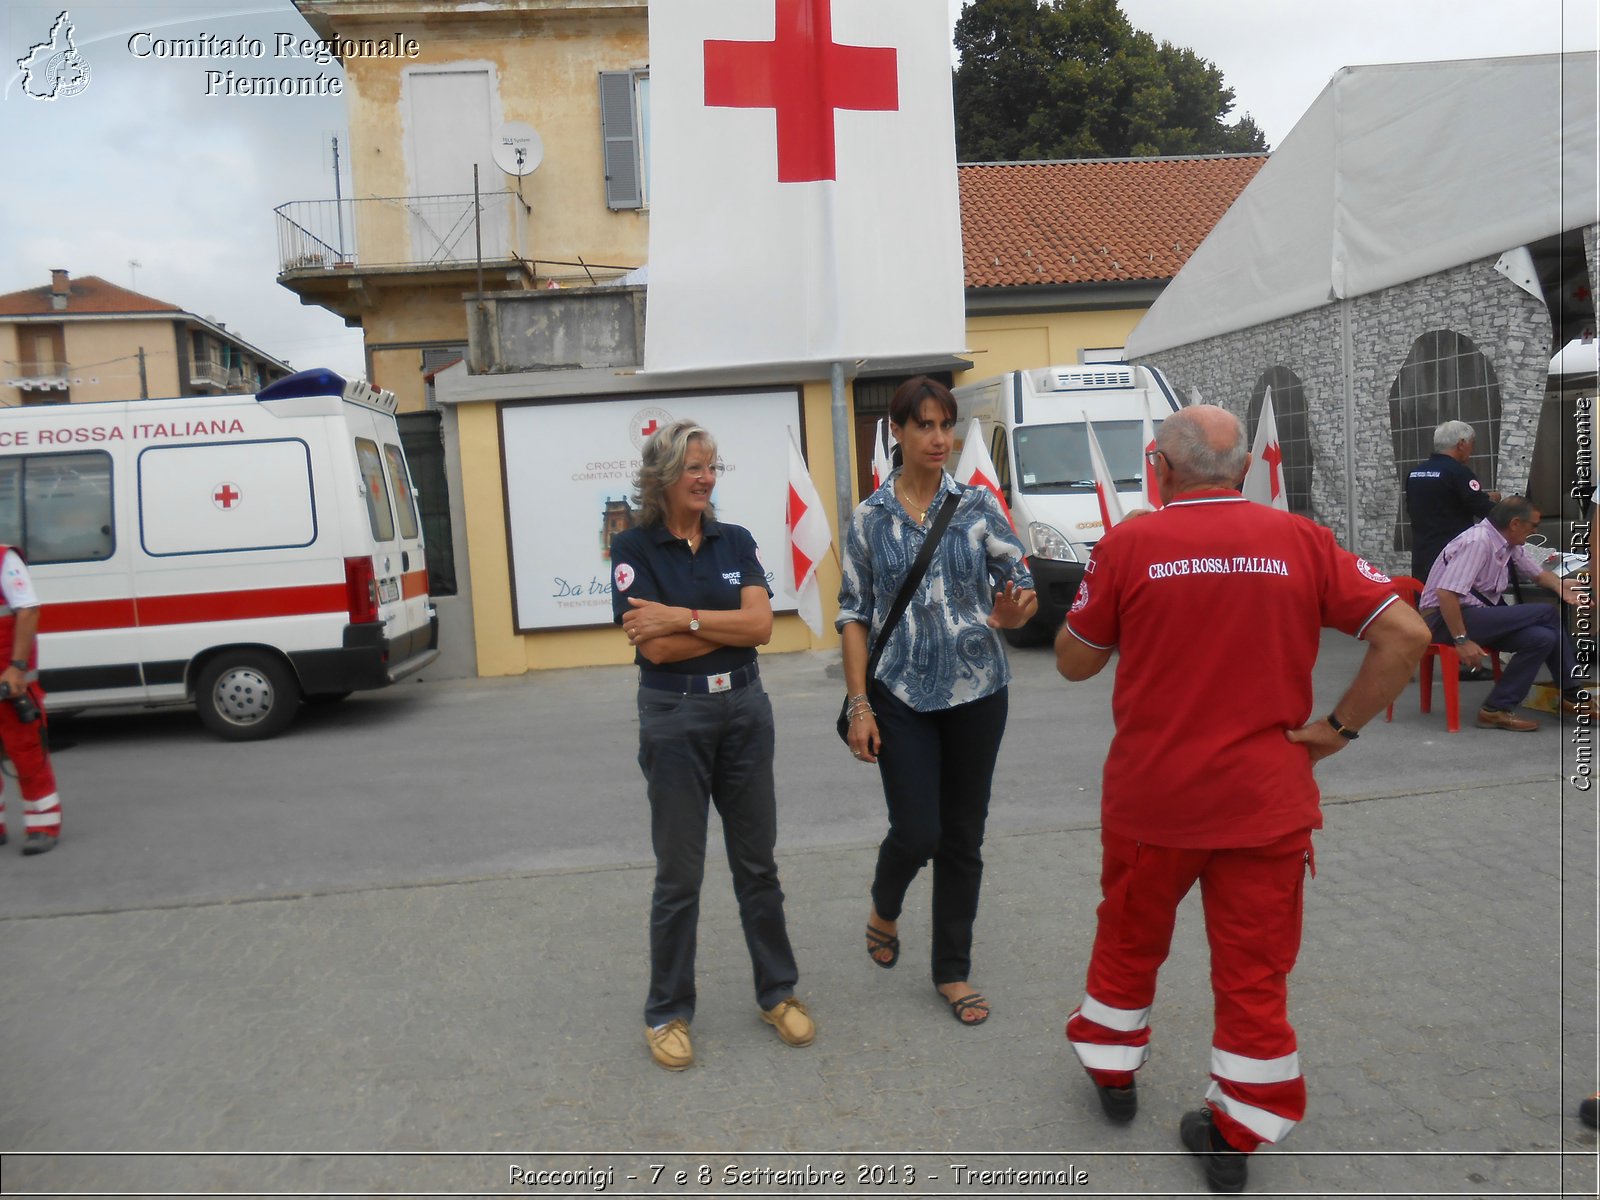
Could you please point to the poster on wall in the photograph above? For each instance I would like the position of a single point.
(569, 470)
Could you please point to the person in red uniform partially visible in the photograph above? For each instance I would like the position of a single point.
(1210, 782)
(24, 746)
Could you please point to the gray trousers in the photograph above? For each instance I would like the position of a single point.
(717, 748)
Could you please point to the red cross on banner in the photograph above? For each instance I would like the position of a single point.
(1263, 482)
(1273, 455)
(805, 75)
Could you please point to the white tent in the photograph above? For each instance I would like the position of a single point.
(1395, 172)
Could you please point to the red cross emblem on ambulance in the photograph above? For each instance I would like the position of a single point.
(226, 496)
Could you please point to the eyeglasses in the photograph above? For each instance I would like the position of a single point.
(708, 470)
(1150, 456)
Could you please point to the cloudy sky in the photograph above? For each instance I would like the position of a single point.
(154, 163)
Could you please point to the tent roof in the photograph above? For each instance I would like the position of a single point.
(1395, 172)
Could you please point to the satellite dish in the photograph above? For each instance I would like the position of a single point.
(518, 148)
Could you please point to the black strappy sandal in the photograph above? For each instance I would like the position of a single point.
(971, 1002)
(877, 940)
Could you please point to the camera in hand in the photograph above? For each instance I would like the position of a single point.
(26, 709)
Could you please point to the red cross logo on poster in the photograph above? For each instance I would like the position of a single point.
(806, 77)
(226, 496)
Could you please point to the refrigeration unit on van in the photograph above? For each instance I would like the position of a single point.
(1033, 424)
(243, 553)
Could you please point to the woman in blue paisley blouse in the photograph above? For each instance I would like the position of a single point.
(933, 715)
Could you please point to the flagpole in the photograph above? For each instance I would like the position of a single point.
(842, 491)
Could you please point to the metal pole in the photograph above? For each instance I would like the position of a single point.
(338, 198)
(1347, 363)
(144, 385)
(477, 230)
(843, 476)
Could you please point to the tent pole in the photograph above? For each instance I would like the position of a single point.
(1347, 365)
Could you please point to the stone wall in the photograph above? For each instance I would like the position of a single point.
(1508, 326)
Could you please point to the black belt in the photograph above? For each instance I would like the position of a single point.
(728, 681)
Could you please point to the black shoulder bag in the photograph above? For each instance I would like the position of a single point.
(919, 568)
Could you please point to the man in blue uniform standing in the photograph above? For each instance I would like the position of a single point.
(1443, 496)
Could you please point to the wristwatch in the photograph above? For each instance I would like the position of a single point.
(1459, 638)
(19, 664)
(1341, 728)
(694, 620)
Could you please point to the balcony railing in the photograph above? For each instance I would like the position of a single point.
(399, 231)
(45, 376)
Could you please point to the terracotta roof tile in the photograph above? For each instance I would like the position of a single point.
(1092, 220)
(89, 294)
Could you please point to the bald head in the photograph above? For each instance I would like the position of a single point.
(1204, 446)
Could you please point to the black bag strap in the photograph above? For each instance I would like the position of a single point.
(919, 568)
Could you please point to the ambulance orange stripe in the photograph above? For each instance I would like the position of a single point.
(413, 583)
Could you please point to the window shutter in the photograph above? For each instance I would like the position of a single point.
(620, 136)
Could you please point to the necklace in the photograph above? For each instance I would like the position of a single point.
(921, 510)
(688, 539)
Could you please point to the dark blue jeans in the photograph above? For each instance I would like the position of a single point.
(936, 769)
(1531, 633)
(693, 750)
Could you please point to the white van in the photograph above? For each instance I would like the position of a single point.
(1032, 422)
(239, 552)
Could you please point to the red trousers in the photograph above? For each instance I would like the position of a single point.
(1253, 901)
(41, 807)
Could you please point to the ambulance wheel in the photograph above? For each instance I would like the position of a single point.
(244, 696)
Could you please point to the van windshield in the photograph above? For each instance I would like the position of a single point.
(1055, 458)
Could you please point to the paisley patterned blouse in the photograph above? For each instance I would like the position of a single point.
(942, 652)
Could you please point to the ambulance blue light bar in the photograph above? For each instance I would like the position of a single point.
(320, 381)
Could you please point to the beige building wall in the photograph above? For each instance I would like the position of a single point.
(396, 332)
(1019, 343)
(105, 355)
(544, 65)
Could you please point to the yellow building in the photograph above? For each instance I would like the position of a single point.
(441, 96)
(87, 339)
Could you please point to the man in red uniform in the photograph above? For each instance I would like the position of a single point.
(1212, 784)
(19, 632)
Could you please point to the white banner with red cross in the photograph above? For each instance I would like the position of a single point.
(803, 204)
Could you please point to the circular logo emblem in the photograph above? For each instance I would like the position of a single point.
(1082, 597)
(1474, 485)
(1371, 572)
(227, 496)
(644, 423)
(622, 577)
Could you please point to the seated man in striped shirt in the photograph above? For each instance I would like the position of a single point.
(1461, 603)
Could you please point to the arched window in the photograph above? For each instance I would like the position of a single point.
(1294, 431)
(1444, 378)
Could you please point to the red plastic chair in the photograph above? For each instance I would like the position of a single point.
(1410, 590)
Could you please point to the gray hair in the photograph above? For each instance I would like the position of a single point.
(661, 466)
(1512, 508)
(1201, 448)
(1450, 433)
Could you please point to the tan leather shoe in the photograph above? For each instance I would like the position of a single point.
(670, 1045)
(792, 1021)
(1489, 718)
(1585, 705)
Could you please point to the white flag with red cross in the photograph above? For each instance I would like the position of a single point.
(1152, 490)
(1105, 485)
(882, 464)
(802, 190)
(809, 537)
(976, 468)
(1263, 482)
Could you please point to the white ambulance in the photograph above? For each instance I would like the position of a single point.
(239, 552)
(1033, 425)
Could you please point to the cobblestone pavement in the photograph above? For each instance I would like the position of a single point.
(463, 1030)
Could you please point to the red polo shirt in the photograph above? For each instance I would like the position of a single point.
(1215, 605)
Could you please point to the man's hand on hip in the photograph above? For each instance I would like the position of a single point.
(1319, 738)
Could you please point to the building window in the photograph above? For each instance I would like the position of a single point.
(1444, 378)
(423, 440)
(1294, 432)
(625, 137)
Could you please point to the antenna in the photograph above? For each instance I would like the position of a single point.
(133, 267)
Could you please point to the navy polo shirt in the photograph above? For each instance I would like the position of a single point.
(1443, 498)
(649, 563)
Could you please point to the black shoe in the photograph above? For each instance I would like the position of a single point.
(1120, 1104)
(2, 837)
(1225, 1167)
(38, 843)
(1586, 1111)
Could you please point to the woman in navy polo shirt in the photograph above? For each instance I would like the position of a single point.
(692, 596)
(933, 715)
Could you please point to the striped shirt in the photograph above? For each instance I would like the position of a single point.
(1478, 559)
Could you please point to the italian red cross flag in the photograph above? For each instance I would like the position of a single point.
(1105, 486)
(802, 184)
(1263, 482)
(1152, 489)
(882, 465)
(977, 468)
(809, 537)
